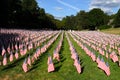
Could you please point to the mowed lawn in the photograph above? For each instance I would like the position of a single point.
(112, 31)
(64, 70)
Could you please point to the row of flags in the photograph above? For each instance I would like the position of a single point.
(31, 59)
(105, 50)
(23, 48)
(16, 54)
(56, 55)
(57, 49)
(74, 55)
(24, 38)
(106, 42)
(85, 46)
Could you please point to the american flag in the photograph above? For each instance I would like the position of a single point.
(16, 54)
(50, 64)
(77, 65)
(56, 55)
(3, 51)
(35, 55)
(5, 60)
(98, 59)
(29, 61)
(33, 59)
(107, 54)
(107, 69)
(16, 47)
(24, 66)
(114, 57)
(101, 51)
(101, 64)
(11, 56)
(21, 52)
(24, 50)
(104, 66)
(93, 56)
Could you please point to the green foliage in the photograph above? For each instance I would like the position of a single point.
(116, 21)
(104, 27)
(82, 20)
(24, 14)
(69, 22)
(97, 18)
(86, 20)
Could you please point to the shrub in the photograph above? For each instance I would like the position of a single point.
(104, 27)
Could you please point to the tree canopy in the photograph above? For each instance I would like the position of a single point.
(116, 21)
(24, 14)
(87, 20)
(27, 14)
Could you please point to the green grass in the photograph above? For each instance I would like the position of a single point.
(112, 31)
(64, 70)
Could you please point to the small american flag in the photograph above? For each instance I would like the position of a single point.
(50, 64)
(5, 60)
(107, 69)
(11, 56)
(24, 66)
(28, 60)
(16, 54)
(77, 65)
(3, 51)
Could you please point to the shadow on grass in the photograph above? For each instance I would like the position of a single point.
(63, 59)
(32, 68)
(82, 69)
(81, 61)
(58, 68)
(37, 62)
(8, 67)
(13, 64)
(58, 64)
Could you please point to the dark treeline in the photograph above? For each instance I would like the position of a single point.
(94, 19)
(26, 14)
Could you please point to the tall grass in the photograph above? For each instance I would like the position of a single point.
(112, 31)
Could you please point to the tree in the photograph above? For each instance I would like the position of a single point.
(3, 12)
(96, 18)
(116, 21)
(82, 20)
(14, 10)
(69, 22)
(86, 20)
(29, 13)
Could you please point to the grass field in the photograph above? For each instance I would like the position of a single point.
(112, 31)
(64, 70)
